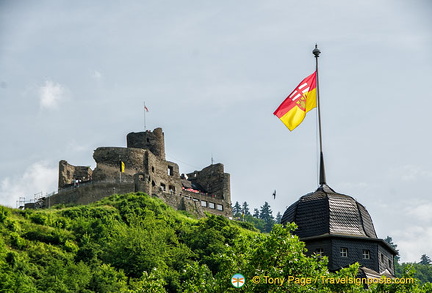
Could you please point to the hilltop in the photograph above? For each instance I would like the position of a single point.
(123, 242)
(137, 243)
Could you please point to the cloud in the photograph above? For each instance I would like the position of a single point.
(421, 210)
(414, 235)
(38, 177)
(411, 173)
(51, 94)
(413, 241)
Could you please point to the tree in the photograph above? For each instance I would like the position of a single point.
(256, 213)
(245, 209)
(278, 218)
(420, 271)
(425, 260)
(279, 254)
(266, 214)
(389, 240)
(408, 273)
(257, 223)
(237, 209)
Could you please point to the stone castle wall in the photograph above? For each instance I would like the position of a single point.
(108, 162)
(69, 174)
(192, 202)
(88, 192)
(213, 180)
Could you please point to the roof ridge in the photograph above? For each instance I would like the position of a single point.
(325, 188)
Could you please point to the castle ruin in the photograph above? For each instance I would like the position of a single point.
(142, 167)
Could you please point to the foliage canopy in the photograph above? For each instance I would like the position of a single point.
(136, 243)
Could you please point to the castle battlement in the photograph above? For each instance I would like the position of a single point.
(141, 166)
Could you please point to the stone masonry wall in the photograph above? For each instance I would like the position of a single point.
(214, 180)
(69, 173)
(108, 163)
(88, 193)
(163, 175)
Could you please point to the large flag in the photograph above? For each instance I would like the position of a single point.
(293, 110)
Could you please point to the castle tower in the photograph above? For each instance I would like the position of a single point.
(151, 140)
(339, 227)
(212, 180)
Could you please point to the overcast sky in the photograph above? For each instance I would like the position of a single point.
(74, 76)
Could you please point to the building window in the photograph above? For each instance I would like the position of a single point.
(382, 257)
(344, 252)
(389, 264)
(162, 187)
(170, 170)
(219, 207)
(319, 251)
(366, 254)
(171, 189)
(211, 205)
(152, 168)
(203, 203)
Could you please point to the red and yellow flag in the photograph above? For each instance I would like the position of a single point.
(293, 110)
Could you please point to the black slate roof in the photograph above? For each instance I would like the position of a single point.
(327, 212)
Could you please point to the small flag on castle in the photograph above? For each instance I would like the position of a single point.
(144, 112)
(293, 109)
(122, 166)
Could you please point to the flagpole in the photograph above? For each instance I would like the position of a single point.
(144, 109)
(322, 177)
(120, 167)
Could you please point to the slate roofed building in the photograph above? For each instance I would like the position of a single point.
(339, 227)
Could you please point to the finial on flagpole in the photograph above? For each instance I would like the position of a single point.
(316, 51)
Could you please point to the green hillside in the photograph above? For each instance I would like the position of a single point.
(136, 243)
